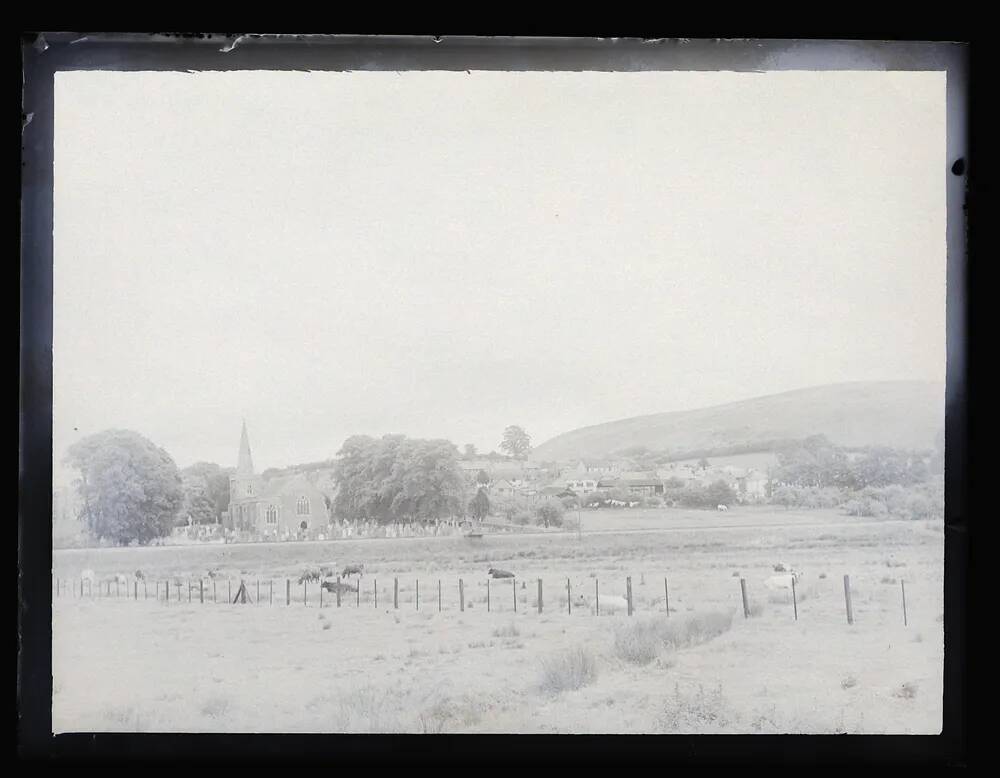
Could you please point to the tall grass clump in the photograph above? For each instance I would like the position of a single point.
(641, 642)
(568, 670)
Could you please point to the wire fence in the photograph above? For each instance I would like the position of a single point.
(500, 594)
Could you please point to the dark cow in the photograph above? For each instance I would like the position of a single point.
(494, 573)
(358, 570)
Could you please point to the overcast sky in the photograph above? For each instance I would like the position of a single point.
(444, 254)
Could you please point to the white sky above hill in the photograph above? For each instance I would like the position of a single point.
(444, 254)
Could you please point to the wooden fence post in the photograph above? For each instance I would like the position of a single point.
(743, 591)
(375, 585)
(258, 591)
(136, 597)
(118, 592)
(795, 600)
(461, 596)
(288, 591)
(902, 586)
(487, 595)
(359, 591)
(215, 593)
(418, 594)
(201, 590)
(395, 593)
(305, 592)
(321, 594)
(145, 590)
(847, 599)
(167, 597)
(439, 595)
(338, 591)
(513, 586)
(569, 599)
(229, 590)
(597, 597)
(666, 598)
(628, 593)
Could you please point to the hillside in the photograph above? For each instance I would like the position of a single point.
(901, 414)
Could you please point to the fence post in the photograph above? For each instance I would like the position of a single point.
(258, 591)
(321, 594)
(145, 590)
(487, 595)
(513, 586)
(597, 597)
(418, 594)
(167, 597)
(569, 599)
(118, 592)
(229, 590)
(743, 591)
(338, 591)
(795, 600)
(288, 591)
(395, 593)
(215, 593)
(847, 599)
(359, 591)
(270, 596)
(628, 592)
(902, 586)
(136, 597)
(461, 596)
(539, 595)
(305, 592)
(201, 590)
(439, 595)
(666, 597)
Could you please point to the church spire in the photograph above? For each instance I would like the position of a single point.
(244, 464)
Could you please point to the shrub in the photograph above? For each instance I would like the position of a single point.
(550, 512)
(568, 670)
(642, 641)
(638, 643)
(509, 631)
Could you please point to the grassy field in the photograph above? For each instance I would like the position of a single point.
(122, 665)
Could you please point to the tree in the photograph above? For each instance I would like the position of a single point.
(395, 478)
(516, 442)
(479, 506)
(212, 482)
(483, 478)
(130, 488)
(470, 451)
(550, 512)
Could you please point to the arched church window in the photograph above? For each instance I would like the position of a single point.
(271, 516)
(302, 506)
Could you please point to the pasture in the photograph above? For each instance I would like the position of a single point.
(272, 667)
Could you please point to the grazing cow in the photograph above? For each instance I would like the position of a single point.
(334, 586)
(494, 573)
(780, 568)
(213, 574)
(722, 507)
(139, 575)
(357, 570)
(309, 575)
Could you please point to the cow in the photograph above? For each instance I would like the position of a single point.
(334, 586)
(357, 570)
(213, 574)
(139, 575)
(309, 575)
(722, 508)
(782, 582)
(495, 573)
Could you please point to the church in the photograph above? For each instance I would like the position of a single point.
(285, 508)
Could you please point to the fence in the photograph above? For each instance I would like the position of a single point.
(406, 594)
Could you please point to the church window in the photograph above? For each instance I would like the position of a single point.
(271, 516)
(250, 488)
(302, 506)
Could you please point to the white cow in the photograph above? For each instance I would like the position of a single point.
(782, 582)
(722, 508)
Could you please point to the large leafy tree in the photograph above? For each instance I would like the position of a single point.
(130, 488)
(479, 506)
(397, 478)
(206, 492)
(516, 442)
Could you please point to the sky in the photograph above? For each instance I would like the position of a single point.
(443, 254)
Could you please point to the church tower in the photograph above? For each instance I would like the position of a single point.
(244, 486)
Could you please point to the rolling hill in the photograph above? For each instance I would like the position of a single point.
(901, 414)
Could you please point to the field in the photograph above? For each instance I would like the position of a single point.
(148, 665)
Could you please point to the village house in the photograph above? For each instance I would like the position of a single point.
(643, 484)
(277, 509)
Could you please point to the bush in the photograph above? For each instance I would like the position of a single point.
(568, 670)
(550, 512)
(641, 642)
